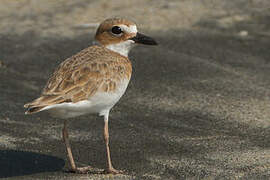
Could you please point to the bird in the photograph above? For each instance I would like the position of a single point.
(92, 81)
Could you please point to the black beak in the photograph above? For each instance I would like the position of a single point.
(143, 39)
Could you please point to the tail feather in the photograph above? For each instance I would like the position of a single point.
(43, 101)
(34, 109)
(34, 106)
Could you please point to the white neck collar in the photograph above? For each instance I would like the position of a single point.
(122, 48)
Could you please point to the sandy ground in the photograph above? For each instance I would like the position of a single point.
(197, 106)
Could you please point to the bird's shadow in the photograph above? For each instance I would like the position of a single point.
(19, 163)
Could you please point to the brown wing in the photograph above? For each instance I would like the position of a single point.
(81, 76)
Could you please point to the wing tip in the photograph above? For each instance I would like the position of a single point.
(35, 109)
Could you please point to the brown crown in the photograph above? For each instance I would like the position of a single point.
(104, 35)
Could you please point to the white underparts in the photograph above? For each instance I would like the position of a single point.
(100, 103)
(122, 48)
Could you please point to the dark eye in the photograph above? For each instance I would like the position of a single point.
(116, 30)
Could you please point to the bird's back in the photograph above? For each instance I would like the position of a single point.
(94, 69)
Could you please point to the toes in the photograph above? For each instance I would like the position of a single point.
(114, 171)
(91, 170)
(82, 170)
(87, 170)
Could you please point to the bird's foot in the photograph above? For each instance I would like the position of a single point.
(81, 170)
(113, 171)
(87, 170)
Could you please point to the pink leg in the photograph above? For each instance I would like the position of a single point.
(106, 138)
(74, 169)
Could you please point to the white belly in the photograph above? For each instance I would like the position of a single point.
(101, 103)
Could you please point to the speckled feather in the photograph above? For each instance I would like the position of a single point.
(79, 77)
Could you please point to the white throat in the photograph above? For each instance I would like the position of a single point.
(122, 48)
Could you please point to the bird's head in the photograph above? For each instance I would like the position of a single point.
(120, 35)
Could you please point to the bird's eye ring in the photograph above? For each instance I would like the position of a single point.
(116, 30)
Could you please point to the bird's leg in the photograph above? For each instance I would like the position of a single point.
(68, 148)
(106, 138)
(69, 153)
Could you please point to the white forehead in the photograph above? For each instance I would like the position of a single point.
(129, 29)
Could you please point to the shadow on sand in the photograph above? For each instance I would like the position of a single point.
(19, 163)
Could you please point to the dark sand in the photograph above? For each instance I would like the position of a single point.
(197, 106)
